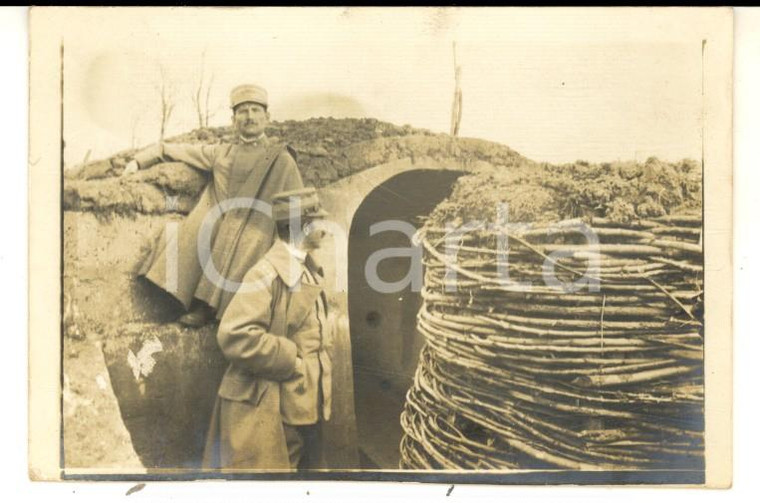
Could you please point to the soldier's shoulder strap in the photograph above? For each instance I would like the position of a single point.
(292, 151)
(276, 149)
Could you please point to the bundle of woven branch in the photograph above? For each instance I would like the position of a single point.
(600, 368)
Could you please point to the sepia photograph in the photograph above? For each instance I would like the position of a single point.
(476, 245)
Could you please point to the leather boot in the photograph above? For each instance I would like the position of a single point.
(198, 317)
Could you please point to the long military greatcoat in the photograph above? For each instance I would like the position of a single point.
(262, 332)
(234, 234)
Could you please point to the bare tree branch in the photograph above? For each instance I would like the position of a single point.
(202, 94)
(199, 90)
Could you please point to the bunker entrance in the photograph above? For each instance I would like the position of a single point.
(385, 343)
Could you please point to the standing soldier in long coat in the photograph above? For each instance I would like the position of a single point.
(276, 394)
(230, 228)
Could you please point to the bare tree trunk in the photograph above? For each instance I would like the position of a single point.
(199, 90)
(135, 122)
(456, 107)
(197, 100)
(207, 112)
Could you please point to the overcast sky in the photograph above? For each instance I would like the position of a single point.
(555, 85)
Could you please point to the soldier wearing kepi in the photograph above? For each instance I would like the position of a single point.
(277, 390)
(235, 238)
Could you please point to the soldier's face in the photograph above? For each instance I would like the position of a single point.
(250, 119)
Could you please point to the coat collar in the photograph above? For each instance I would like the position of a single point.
(288, 267)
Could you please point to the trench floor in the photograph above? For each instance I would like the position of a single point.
(378, 411)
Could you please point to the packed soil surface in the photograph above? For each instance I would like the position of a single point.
(619, 191)
(327, 150)
(320, 143)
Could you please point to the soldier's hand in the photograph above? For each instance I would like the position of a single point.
(130, 168)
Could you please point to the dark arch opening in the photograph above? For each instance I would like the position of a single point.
(384, 341)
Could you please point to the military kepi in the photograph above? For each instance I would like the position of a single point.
(304, 201)
(248, 92)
